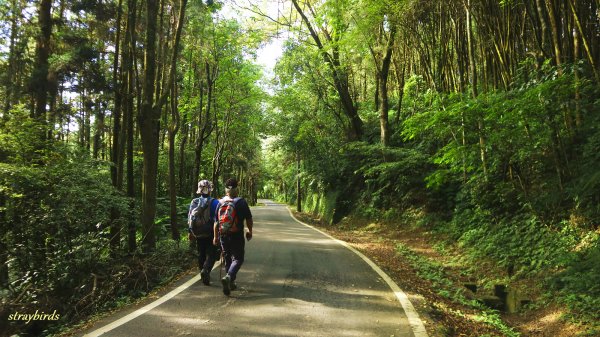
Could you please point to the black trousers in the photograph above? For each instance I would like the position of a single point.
(233, 247)
(207, 254)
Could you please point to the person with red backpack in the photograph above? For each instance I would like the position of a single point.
(232, 211)
(201, 218)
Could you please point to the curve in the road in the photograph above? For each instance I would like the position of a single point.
(297, 281)
(413, 317)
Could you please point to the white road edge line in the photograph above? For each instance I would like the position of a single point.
(413, 317)
(147, 307)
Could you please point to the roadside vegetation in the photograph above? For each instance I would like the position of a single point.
(490, 143)
(100, 153)
(476, 121)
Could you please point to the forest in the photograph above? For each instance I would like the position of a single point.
(477, 120)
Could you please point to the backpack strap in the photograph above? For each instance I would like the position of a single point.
(195, 203)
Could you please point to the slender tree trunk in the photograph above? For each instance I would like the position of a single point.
(98, 131)
(581, 34)
(473, 73)
(42, 54)
(400, 74)
(161, 51)
(544, 27)
(129, 71)
(384, 104)
(556, 39)
(87, 120)
(12, 58)
(173, 129)
(4, 274)
(182, 158)
(298, 184)
(471, 51)
(576, 53)
(205, 122)
(202, 126)
(149, 128)
(116, 154)
(150, 119)
(131, 221)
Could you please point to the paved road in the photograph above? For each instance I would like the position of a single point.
(295, 282)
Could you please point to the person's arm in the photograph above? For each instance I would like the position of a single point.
(216, 234)
(190, 232)
(249, 223)
(216, 227)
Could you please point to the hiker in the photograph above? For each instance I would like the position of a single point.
(231, 213)
(201, 219)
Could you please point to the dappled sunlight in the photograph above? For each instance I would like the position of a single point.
(278, 317)
(294, 282)
(551, 318)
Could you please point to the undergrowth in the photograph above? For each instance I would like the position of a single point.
(86, 280)
(445, 287)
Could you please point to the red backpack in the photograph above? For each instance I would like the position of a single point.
(227, 217)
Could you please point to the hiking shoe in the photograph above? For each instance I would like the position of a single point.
(205, 276)
(232, 285)
(226, 282)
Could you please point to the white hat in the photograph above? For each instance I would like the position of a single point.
(204, 187)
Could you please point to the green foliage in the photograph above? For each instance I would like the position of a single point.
(579, 283)
(511, 175)
(388, 172)
(521, 243)
(445, 287)
(55, 206)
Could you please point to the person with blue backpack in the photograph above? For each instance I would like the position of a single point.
(232, 211)
(201, 218)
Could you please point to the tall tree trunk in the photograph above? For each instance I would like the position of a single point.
(182, 158)
(98, 131)
(205, 122)
(116, 154)
(543, 27)
(150, 119)
(576, 57)
(4, 274)
(202, 123)
(556, 39)
(471, 50)
(131, 221)
(298, 184)
(129, 71)
(12, 58)
(473, 75)
(199, 141)
(581, 34)
(149, 128)
(87, 120)
(173, 129)
(400, 79)
(384, 104)
(42, 54)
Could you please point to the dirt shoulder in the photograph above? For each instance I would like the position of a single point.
(405, 255)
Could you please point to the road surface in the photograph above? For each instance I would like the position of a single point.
(295, 282)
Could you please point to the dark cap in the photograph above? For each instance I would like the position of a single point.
(231, 183)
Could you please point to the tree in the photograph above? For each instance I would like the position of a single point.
(149, 118)
(39, 80)
(328, 38)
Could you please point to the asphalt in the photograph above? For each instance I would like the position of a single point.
(295, 282)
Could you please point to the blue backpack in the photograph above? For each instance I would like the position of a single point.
(199, 217)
